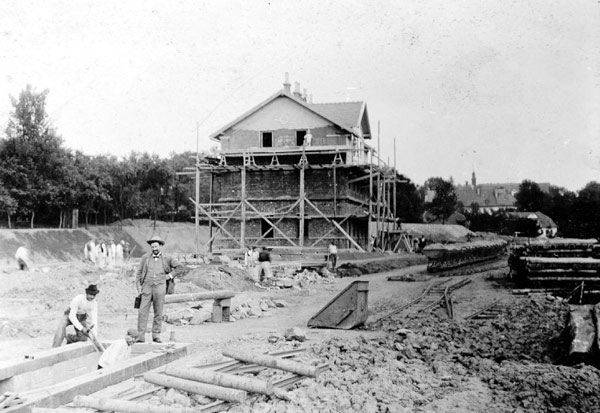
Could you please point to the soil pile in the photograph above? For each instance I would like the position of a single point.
(430, 364)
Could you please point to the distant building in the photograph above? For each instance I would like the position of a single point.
(490, 197)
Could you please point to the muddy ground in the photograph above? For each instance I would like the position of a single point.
(409, 362)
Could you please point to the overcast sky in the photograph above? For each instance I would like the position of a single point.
(510, 89)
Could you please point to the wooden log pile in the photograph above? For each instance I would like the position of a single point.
(221, 381)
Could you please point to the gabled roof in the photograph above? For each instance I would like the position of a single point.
(348, 114)
(345, 115)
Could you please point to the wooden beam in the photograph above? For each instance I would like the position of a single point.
(273, 362)
(301, 199)
(348, 236)
(329, 232)
(207, 295)
(243, 196)
(270, 223)
(45, 358)
(284, 213)
(109, 405)
(214, 392)
(219, 225)
(64, 392)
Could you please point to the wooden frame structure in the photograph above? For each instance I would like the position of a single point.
(376, 203)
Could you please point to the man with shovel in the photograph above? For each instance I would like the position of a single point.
(81, 314)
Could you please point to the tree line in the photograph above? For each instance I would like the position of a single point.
(42, 181)
(576, 214)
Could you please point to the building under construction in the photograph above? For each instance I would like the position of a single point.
(295, 173)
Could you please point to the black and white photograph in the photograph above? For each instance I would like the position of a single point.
(318, 206)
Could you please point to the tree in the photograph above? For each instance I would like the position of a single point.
(585, 211)
(444, 201)
(531, 198)
(409, 201)
(32, 156)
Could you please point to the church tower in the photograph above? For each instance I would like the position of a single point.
(473, 179)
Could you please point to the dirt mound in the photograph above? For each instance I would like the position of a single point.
(65, 245)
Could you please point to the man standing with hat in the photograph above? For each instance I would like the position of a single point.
(81, 314)
(155, 270)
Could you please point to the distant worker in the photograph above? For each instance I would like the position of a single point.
(332, 256)
(119, 253)
(119, 351)
(126, 251)
(153, 273)
(112, 253)
(82, 314)
(22, 256)
(248, 257)
(422, 243)
(264, 259)
(308, 138)
(89, 251)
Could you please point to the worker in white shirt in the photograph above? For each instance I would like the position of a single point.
(82, 314)
(118, 351)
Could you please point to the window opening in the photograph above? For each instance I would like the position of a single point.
(267, 139)
(300, 134)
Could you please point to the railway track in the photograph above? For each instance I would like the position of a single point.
(474, 268)
(489, 312)
(434, 295)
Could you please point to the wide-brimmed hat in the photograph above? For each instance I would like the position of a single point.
(92, 289)
(133, 333)
(155, 238)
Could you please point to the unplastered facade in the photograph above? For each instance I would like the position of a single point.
(274, 185)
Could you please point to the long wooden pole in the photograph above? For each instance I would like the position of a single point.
(243, 196)
(197, 215)
(206, 295)
(110, 405)
(395, 201)
(301, 209)
(370, 190)
(208, 390)
(273, 362)
(232, 381)
(210, 200)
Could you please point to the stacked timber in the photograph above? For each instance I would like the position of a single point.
(560, 259)
(448, 256)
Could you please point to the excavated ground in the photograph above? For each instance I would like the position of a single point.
(410, 362)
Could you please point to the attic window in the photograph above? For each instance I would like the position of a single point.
(300, 134)
(267, 139)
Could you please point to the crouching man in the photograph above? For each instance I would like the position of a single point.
(119, 351)
(82, 314)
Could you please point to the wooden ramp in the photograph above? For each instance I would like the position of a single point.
(347, 310)
(54, 377)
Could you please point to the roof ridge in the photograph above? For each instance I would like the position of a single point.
(337, 103)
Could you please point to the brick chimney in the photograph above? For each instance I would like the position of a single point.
(287, 86)
(297, 92)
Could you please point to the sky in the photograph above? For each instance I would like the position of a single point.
(508, 89)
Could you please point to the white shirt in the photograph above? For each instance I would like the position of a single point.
(81, 305)
(117, 352)
(332, 249)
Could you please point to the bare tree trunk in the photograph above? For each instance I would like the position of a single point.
(60, 219)
(9, 223)
(32, 217)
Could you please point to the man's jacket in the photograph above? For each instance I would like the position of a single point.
(170, 266)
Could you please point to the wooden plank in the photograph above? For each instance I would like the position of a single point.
(44, 359)
(64, 392)
(263, 216)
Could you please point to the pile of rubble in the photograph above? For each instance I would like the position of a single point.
(428, 363)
